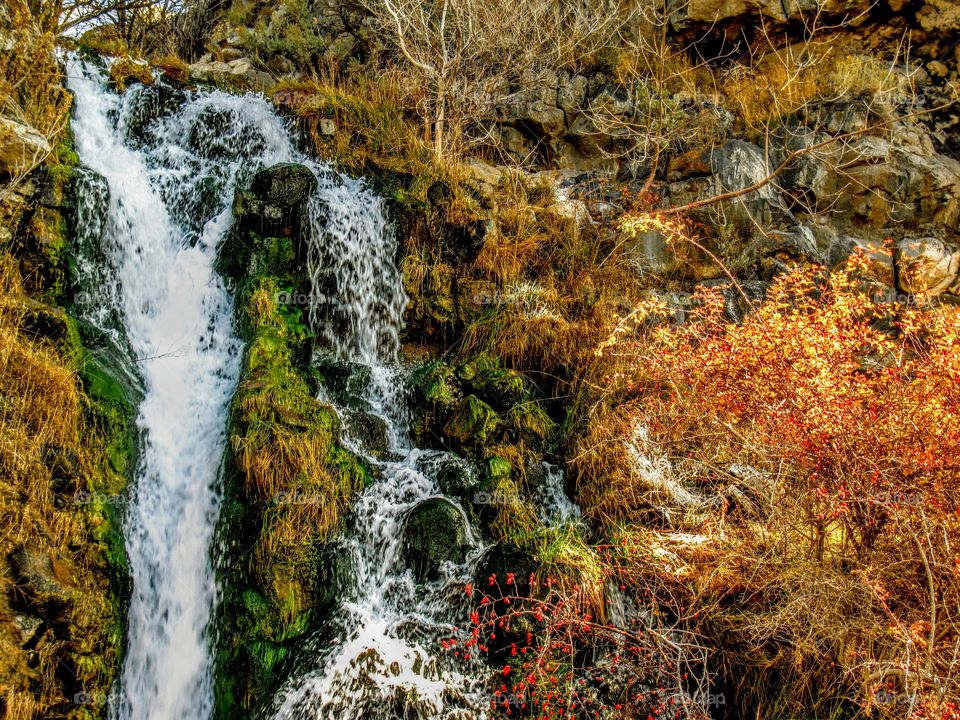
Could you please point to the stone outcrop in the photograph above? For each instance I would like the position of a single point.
(21, 147)
(274, 204)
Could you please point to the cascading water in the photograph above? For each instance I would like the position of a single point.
(382, 661)
(165, 165)
(170, 161)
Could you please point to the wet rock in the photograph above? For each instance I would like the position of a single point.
(275, 204)
(21, 147)
(148, 105)
(434, 532)
(345, 380)
(334, 575)
(42, 582)
(286, 184)
(927, 266)
(368, 430)
(453, 474)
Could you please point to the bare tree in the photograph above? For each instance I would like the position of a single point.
(467, 52)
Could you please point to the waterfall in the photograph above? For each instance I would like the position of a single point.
(384, 660)
(170, 161)
(155, 206)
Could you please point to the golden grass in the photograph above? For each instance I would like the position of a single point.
(781, 83)
(42, 406)
(30, 82)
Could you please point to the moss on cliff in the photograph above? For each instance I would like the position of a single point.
(67, 446)
(289, 485)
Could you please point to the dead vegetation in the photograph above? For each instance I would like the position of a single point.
(58, 511)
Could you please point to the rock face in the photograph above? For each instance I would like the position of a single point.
(433, 533)
(21, 147)
(239, 72)
(927, 266)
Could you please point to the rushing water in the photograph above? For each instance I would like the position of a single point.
(152, 215)
(171, 178)
(384, 661)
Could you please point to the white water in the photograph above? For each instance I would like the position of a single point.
(161, 241)
(385, 660)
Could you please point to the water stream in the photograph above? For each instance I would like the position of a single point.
(165, 164)
(385, 660)
(171, 179)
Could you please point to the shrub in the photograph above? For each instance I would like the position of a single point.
(820, 436)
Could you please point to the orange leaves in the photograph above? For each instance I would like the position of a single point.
(825, 376)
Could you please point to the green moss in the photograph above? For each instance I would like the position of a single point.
(499, 468)
(289, 482)
(473, 422)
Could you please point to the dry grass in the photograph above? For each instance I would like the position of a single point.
(287, 442)
(782, 83)
(42, 407)
(285, 445)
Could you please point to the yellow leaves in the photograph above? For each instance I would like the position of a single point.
(672, 228)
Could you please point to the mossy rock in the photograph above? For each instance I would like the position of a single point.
(473, 423)
(434, 532)
(290, 483)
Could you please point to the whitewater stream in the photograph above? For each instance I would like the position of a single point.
(170, 181)
(154, 209)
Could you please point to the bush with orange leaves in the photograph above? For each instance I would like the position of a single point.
(813, 452)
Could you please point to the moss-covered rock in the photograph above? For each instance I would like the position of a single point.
(290, 481)
(125, 70)
(477, 405)
(434, 532)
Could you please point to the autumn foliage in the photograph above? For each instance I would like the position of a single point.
(796, 475)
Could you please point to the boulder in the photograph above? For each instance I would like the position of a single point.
(473, 421)
(335, 575)
(42, 581)
(749, 14)
(453, 475)
(737, 166)
(275, 204)
(369, 431)
(238, 72)
(572, 95)
(535, 106)
(434, 532)
(927, 266)
(22, 147)
(286, 185)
